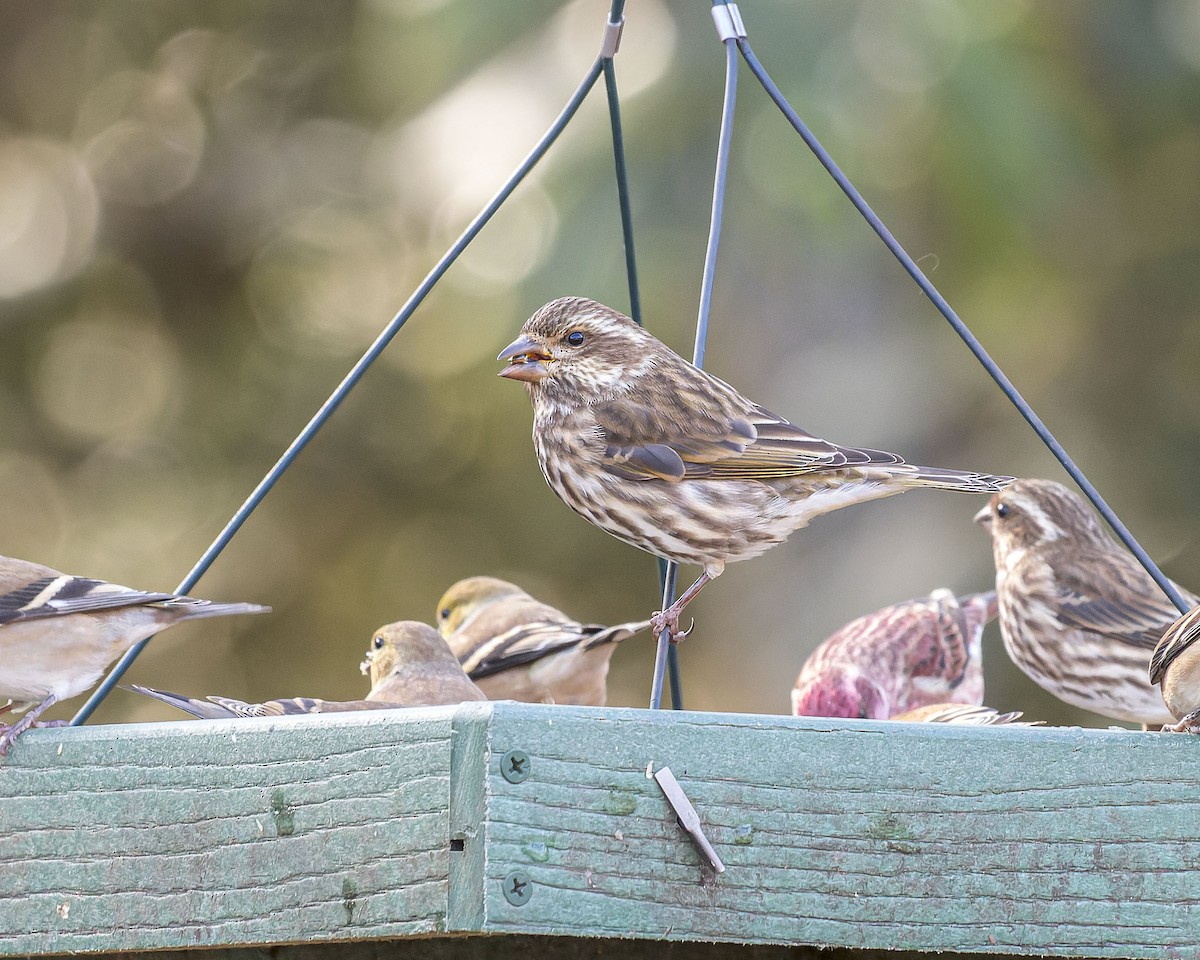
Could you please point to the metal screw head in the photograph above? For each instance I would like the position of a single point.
(518, 888)
(514, 766)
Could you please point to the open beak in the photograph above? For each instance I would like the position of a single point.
(365, 666)
(527, 360)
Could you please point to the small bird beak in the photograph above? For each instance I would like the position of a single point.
(365, 666)
(984, 516)
(527, 360)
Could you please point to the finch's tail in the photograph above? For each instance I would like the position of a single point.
(187, 608)
(204, 709)
(615, 634)
(963, 481)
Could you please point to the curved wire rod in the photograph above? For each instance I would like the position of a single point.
(961, 329)
(706, 286)
(335, 399)
(635, 305)
(614, 115)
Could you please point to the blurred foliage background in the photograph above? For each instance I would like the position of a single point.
(209, 210)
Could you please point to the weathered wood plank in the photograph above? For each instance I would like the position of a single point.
(400, 824)
(154, 836)
(1020, 840)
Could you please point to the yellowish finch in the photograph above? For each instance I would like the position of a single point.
(59, 633)
(409, 664)
(517, 648)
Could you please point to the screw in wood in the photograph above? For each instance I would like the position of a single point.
(518, 888)
(514, 766)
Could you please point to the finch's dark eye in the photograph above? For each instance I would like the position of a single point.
(1002, 510)
(445, 614)
(575, 338)
(379, 643)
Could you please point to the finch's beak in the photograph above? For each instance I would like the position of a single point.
(365, 666)
(984, 516)
(527, 360)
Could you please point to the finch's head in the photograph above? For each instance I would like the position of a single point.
(840, 692)
(467, 597)
(404, 644)
(1029, 514)
(578, 345)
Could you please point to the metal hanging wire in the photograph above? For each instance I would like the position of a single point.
(954, 320)
(612, 42)
(728, 30)
(356, 373)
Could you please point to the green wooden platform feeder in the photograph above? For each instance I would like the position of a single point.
(407, 825)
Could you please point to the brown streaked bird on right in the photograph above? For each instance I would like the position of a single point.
(409, 664)
(517, 648)
(1175, 667)
(676, 462)
(1078, 614)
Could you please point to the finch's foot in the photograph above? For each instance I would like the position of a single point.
(1189, 724)
(677, 635)
(9, 734)
(669, 620)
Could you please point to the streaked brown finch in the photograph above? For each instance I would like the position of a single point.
(1175, 666)
(668, 458)
(1078, 613)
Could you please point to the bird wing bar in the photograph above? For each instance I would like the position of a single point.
(58, 596)
(1129, 610)
(596, 635)
(523, 644)
(1184, 633)
(677, 441)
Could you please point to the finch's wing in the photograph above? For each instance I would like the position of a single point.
(937, 644)
(530, 642)
(1179, 636)
(482, 631)
(57, 596)
(214, 708)
(523, 644)
(965, 714)
(1116, 598)
(707, 429)
(295, 706)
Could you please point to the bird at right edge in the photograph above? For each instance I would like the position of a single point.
(666, 457)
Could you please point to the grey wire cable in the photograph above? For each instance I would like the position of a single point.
(706, 285)
(351, 379)
(635, 305)
(961, 329)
